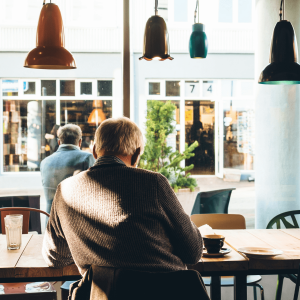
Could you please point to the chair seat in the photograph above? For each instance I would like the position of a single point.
(229, 280)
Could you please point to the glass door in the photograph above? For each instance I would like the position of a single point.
(200, 127)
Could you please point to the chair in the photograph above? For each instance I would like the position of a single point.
(227, 221)
(212, 202)
(16, 291)
(277, 220)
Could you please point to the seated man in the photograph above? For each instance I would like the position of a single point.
(67, 161)
(116, 215)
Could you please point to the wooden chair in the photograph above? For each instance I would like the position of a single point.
(277, 220)
(227, 221)
(17, 291)
(212, 202)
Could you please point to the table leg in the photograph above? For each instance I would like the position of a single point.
(240, 287)
(215, 288)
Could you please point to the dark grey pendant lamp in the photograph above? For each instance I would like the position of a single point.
(283, 67)
(156, 38)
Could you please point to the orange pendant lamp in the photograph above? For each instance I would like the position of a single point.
(97, 116)
(50, 52)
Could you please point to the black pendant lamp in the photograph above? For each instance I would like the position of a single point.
(283, 67)
(156, 38)
(50, 51)
(198, 41)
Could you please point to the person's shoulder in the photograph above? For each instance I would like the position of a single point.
(49, 158)
(148, 173)
(84, 153)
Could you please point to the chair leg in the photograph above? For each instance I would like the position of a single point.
(297, 285)
(279, 287)
(254, 293)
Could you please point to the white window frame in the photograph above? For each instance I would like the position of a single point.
(57, 98)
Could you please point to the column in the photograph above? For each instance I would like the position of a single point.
(277, 159)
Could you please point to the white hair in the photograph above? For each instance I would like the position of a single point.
(120, 136)
(69, 134)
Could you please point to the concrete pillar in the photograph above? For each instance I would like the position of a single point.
(277, 160)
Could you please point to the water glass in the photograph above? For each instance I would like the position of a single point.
(13, 229)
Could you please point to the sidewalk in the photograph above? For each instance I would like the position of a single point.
(242, 199)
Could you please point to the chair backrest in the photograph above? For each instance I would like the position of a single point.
(220, 221)
(25, 211)
(282, 217)
(212, 202)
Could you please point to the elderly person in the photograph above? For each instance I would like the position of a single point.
(116, 215)
(65, 162)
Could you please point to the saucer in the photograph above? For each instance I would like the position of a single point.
(259, 252)
(222, 252)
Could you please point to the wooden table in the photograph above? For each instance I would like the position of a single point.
(27, 264)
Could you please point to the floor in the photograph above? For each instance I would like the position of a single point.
(242, 199)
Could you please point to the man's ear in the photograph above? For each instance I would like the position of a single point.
(94, 152)
(59, 142)
(79, 143)
(135, 156)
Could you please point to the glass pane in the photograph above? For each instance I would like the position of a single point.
(163, 9)
(229, 88)
(180, 10)
(245, 11)
(172, 88)
(104, 88)
(247, 88)
(200, 126)
(208, 89)
(25, 127)
(29, 87)
(154, 88)
(88, 115)
(239, 135)
(225, 11)
(10, 87)
(86, 88)
(192, 89)
(48, 87)
(67, 87)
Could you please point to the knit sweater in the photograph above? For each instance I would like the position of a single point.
(117, 216)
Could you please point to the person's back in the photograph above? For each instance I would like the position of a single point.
(114, 215)
(67, 161)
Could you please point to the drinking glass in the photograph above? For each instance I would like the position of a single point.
(13, 229)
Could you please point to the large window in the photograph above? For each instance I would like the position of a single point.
(33, 110)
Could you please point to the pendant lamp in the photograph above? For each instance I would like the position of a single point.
(50, 41)
(97, 116)
(156, 38)
(283, 67)
(198, 40)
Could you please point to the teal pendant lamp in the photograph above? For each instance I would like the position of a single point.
(283, 68)
(198, 40)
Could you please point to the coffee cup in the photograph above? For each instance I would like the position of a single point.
(213, 243)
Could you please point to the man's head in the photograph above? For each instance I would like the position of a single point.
(119, 137)
(69, 134)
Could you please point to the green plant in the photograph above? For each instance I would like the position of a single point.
(157, 156)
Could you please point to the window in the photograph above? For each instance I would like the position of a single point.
(30, 125)
(180, 10)
(163, 9)
(225, 11)
(245, 11)
(25, 123)
(172, 88)
(154, 88)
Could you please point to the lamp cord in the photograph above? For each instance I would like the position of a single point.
(195, 14)
(156, 7)
(281, 10)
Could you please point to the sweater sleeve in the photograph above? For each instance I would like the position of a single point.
(55, 250)
(184, 235)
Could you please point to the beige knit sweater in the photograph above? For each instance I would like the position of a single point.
(116, 216)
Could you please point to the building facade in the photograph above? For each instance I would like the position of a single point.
(214, 97)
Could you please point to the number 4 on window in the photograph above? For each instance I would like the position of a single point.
(210, 89)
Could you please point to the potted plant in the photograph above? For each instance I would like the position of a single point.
(159, 157)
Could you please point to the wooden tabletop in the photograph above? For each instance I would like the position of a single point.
(29, 263)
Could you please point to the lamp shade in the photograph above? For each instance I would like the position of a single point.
(50, 52)
(198, 42)
(156, 40)
(283, 67)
